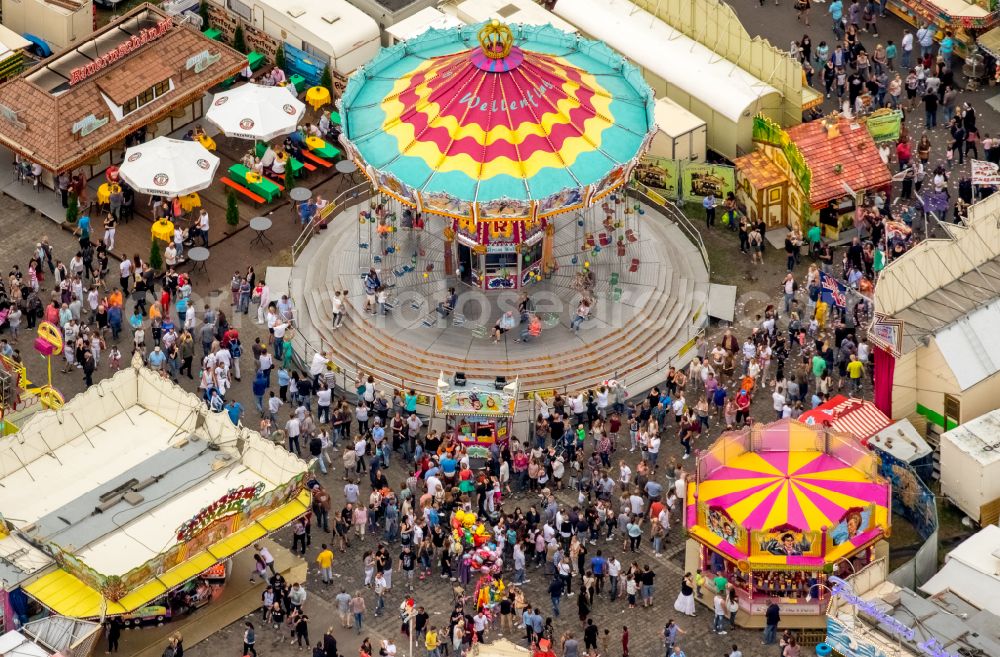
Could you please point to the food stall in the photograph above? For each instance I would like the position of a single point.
(477, 415)
(778, 508)
(173, 510)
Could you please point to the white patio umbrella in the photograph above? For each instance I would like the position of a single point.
(253, 111)
(168, 167)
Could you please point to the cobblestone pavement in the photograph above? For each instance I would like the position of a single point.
(22, 228)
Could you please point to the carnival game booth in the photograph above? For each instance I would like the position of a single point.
(778, 508)
(477, 415)
(138, 492)
(497, 131)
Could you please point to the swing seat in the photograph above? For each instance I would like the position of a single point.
(363, 245)
(399, 271)
(604, 239)
(630, 235)
(621, 250)
(457, 319)
(431, 319)
(416, 303)
(377, 259)
(477, 330)
(634, 267)
(615, 294)
(613, 281)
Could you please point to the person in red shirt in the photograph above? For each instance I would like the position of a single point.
(903, 153)
(624, 640)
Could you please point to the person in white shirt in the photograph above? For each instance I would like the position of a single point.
(265, 300)
(602, 401)
(170, 255)
(292, 428)
(125, 272)
(203, 227)
(337, 307)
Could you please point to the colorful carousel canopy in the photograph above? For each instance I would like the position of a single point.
(490, 121)
(787, 483)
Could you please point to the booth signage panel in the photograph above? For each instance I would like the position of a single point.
(149, 35)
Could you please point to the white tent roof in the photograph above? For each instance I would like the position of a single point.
(907, 444)
(671, 55)
(970, 571)
(15, 644)
(335, 27)
(963, 345)
(673, 119)
(11, 40)
(422, 21)
(977, 437)
(135, 431)
(527, 12)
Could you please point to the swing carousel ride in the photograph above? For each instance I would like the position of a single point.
(497, 131)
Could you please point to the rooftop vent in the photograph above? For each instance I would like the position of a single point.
(295, 11)
(508, 10)
(331, 18)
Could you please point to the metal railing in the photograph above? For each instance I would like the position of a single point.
(671, 211)
(347, 371)
(352, 196)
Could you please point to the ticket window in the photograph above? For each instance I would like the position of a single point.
(498, 262)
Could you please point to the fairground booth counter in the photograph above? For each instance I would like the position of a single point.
(133, 500)
(493, 132)
(778, 508)
(477, 414)
(966, 19)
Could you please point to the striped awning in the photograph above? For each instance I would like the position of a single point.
(854, 416)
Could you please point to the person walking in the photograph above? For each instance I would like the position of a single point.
(249, 638)
(358, 609)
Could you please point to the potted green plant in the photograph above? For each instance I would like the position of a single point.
(72, 209)
(155, 259)
(239, 40)
(232, 209)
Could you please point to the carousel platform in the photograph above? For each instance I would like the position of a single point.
(642, 320)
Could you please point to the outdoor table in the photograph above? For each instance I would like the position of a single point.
(104, 194)
(262, 187)
(296, 165)
(255, 60)
(300, 194)
(320, 147)
(348, 168)
(297, 81)
(206, 141)
(260, 225)
(163, 230)
(199, 256)
(190, 201)
(317, 97)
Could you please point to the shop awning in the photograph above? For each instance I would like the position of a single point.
(68, 595)
(810, 97)
(990, 41)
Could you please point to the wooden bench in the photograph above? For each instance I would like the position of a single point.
(315, 158)
(256, 198)
(272, 180)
